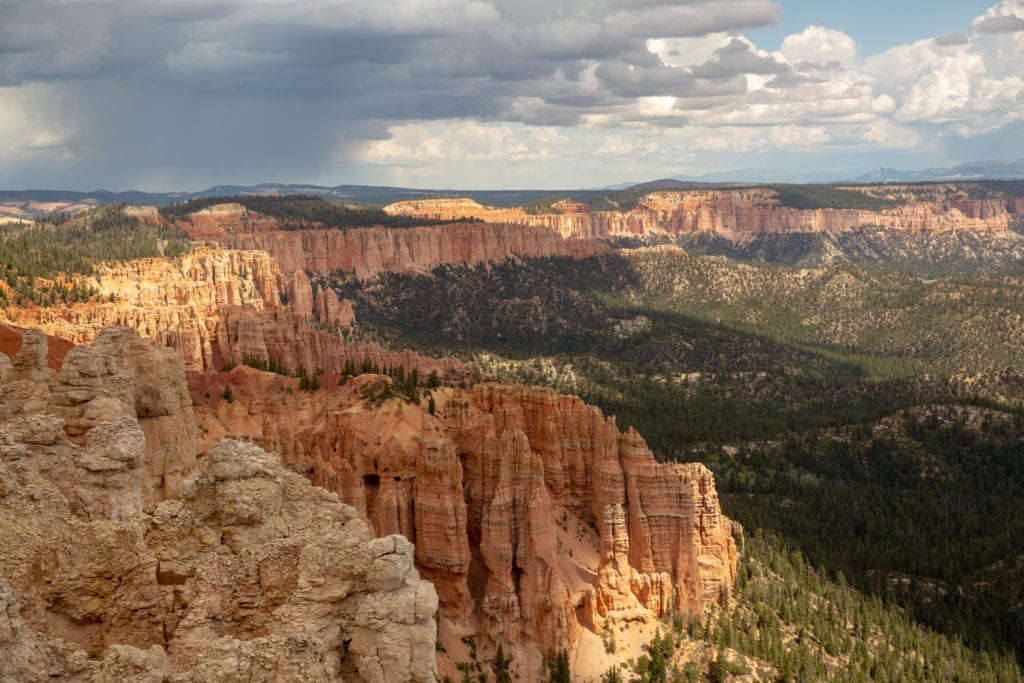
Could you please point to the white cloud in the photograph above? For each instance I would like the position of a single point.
(971, 87)
(687, 52)
(1006, 16)
(817, 45)
(625, 145)
(656, 107)
(459, 141)
(889, 136)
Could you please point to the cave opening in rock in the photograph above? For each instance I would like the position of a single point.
(371, 485)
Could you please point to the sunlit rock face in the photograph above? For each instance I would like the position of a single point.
(532, 515)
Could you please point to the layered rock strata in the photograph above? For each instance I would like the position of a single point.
(246, 572)
(371, 251)
(219, 306)
(742, 214)
(533, 516)
(454, 209)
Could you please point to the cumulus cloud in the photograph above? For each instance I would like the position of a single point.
(819, 46)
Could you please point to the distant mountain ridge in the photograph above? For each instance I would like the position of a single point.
(29, 204)
(32, 203)
(973, 170)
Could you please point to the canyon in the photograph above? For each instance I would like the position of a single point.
(521, 517)
(538, 524)
(177, 512)
(211, 517)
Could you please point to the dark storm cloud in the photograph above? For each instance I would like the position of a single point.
(35, 46)
(251, 89)
(268, 42)
(737, 58)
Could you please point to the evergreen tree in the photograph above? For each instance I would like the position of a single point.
(500, 667)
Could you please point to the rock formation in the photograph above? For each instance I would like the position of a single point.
(742, 214)
(10, 344)
(245, 572)
(220, 306)
(459, 208)
(370, 251)
(533, 516)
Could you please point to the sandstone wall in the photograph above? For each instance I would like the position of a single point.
(737, 214)
(532, 515)
(370, 251)
(222, 306)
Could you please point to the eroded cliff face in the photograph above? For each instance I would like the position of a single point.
(371, 251)
(176, 302)
(537, 521)
(455, 209)
(242, 571)
(221, 306)
(742, 214)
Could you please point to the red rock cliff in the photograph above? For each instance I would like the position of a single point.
(740, 213)
(369, 251)
(533, 516)
(219, 306)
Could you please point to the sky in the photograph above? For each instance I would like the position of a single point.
(164, 95)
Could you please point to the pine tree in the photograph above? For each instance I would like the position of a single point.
(500, 667)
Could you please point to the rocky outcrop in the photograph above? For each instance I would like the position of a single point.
(748, 213)
(246, 572)
(214, 222)
(120, 377)
(10, 344)
(533, 516)
(677, 544)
